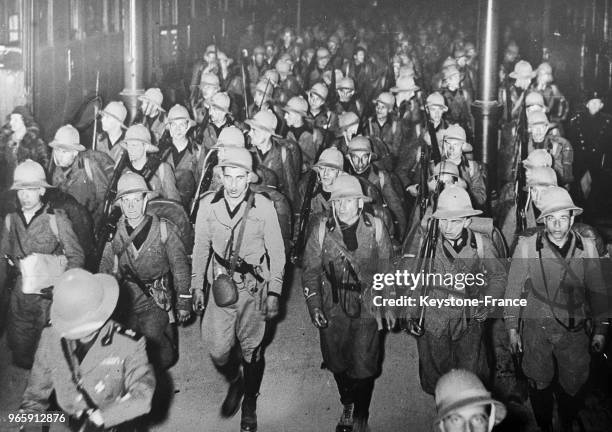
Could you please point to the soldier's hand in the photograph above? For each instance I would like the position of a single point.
(481, 314)
(413, 190)
(598, 343)
(96, 418)
(198, 300)
(271, 307)
(183, 316)
(318, 318)
(390, 318)
(516, 344)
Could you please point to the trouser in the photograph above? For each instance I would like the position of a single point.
(28, 315)
(441, 351)
(154, 324)
(350, 345)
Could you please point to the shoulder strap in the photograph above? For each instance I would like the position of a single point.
(322, 233)
(163, 230)
(53, 225)
(7, 222)
(381, 176)
(236, 252)
(479, 244)
(88, 171)
(283, 153)
(378, 229)
(75, 374)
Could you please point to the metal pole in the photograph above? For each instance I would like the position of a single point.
(299, 16)
(486, 108)
(606, 22)
(133, 55)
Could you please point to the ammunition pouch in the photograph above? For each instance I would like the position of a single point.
(159, 291)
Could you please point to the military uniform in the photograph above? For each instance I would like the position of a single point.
(186, 165)
(563, 156)
(163, 181)
(284, 159)
(309, 140)
(458, 104)
(29, 313)
(115, 373)
(157, 258)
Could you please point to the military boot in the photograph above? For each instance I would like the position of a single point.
(363, 396)
(345, 424)
(542, 403)
(253, 375)
(232, 373)
(248, 420)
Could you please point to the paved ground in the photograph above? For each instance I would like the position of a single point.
(297, 395)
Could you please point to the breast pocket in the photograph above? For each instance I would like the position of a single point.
(105, 383)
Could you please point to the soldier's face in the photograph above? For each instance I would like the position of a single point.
(216, 115)
(292, 118)
(136, 150)
(258, 137)
(178, 128)
(332, 47)
(315, 101)
(452, 148)
(259, 58)
(468, 419)
(133, 205)
(235, 181)
(453, 81)
(64, 158)
(544, 78)
(208, 91)
(558, 224)
(345, 94)
(436, 112)
(523, 83)
(16, 123)
(451, 228)
(594, 106)
(382, 111)
(328, 176)
(261, 97)
(360, 160)
(29, 199)
(108, 123)
(322, 62)
(347, 210)
(538, 132)
(359, 57)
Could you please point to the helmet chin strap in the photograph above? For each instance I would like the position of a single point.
(492, 418)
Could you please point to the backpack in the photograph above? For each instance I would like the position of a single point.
(173, 213)
(103, 160)
(377, 228)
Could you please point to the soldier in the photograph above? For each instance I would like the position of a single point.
(112, 118)
(321, 65)
(185, 154)
(559, 148)
(151, 113)
(245, 291)
(281, 156)
(458, 101)
(453, 336)
(384, 127)
(360, 157)
(209, 85)
(137, 143)
(558, 272)
(347, 101)
(20, 140)
(98, 369)
(34, 228)
(556, 104)
(454, 147)
(288, 86)
(590, 133)
(148, 257)
(322, 116)
(360, 70)
(218, 107)
(343, 252)
(82, 174)
(407, 107)
(308, 138)
(463, 403)
(256, 67)
(262, 97)
(511, 96)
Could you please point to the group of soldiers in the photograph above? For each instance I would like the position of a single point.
(308, 157)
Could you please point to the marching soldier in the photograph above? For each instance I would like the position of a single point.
(256, 67)
(218, 107)
(98, 369)
(185, 154)
(321, 66)
(556, 104)
(281, 156)
(245, 290)
(82, 174)
(343, 252)
(590, 133)
(559, 148)
(209, 85)
(34, 228)
(137, 143)
(151, 113)
(408, 110)
(112, 119)
(288, 86)
(148, 258)
(308, 138)
(558, 272)
(321, 115)
(347, 100)
(384, 126)
(453, 336)
(511, 96)
(454, 147)
(458, 101)
(360, 157)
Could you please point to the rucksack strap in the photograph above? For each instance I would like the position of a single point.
(479, 244)
(163, 230)
(87, 167)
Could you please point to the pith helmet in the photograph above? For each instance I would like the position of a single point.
(404, 84)
(445, 168)
(454, 202)
(541, 176)
(179, 112)
(220, 101)
(360, 143)
(534, 98)
(264, 121)
(230, 136)
(67, 138)
(456, 133)
(139, 133)
(387, 99)
(298, 105)
(346, 83)
(29, 175)
(209, 79)
(320, 90)
(436, 99)
(556, 199)
(347, 187)
(538, 158)
(347, 119)
(330, 158)
(238, 157)
(115, 110)
(82, 302)
(153, 96)
(522, 70)
(130, 183)
(536, 117)
(461, 389)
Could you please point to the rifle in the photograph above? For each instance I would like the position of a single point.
(244, 87)
(521, 140)
(306, 210)
(94, 138)
(203, 184)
